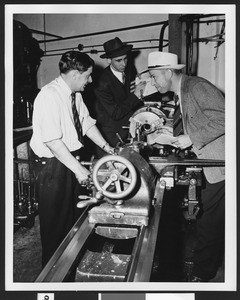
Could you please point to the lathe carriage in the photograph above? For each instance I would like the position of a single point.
(115, 237)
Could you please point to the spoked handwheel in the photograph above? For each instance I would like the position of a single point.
(114, 176)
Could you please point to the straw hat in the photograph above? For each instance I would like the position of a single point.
(163, 60)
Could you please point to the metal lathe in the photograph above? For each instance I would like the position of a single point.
(115, 237)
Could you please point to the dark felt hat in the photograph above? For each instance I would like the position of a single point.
(114, 48)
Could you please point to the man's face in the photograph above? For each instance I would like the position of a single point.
(82, 79)
(119, 63)
(161, 80)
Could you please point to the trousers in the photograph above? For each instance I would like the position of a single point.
(210, 231)
(57, 192)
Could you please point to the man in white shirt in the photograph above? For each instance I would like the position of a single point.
(57, 140)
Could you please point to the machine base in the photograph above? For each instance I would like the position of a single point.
(129, 213)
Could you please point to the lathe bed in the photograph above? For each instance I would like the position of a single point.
(115, 243)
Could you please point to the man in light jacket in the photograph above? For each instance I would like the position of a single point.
(202, 108)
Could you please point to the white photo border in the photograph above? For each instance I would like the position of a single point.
(230, 94)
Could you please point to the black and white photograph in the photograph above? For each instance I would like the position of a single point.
(120, 148)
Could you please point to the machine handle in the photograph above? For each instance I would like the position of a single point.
(85, 203)
(89, 200)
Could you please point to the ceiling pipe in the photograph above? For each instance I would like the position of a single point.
(99, 51)
(162, 35)
(102, 32)
(197, 16)
(100, 45)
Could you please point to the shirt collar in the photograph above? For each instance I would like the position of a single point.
(116, 73)
(179, 87)
(64, 86)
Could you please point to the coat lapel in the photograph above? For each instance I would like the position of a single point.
(184, 99)
(115, 79)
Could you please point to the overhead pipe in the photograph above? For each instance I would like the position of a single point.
(44, 33)
(103, 32)
(192, 17)
(190, 21)
(162, 35)
(44, 36)
(209, 21)
(99, 51)
(81, 47)
(60, 37)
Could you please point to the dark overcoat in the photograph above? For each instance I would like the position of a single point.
(114, 106)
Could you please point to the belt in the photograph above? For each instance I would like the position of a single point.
(44, 160)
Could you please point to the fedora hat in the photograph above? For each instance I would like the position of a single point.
(114, 48)
(163, 60)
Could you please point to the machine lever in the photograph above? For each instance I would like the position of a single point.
(89, 200)
(84, 197)
(119, 138)
(85, 203)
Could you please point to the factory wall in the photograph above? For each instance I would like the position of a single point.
(78, 24)
(210, 60)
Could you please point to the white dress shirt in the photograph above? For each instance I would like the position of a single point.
(119, 75)
(53, 118)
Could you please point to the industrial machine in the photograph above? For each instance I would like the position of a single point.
(115, 237)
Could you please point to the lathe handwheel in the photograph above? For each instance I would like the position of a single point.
(120, 179)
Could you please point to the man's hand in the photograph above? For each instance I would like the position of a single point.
(165, 130)
(182, 141)
(139, 89)
(82, 175)
(110, 150)
(62, 153)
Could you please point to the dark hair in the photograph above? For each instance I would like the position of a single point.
(75, 60)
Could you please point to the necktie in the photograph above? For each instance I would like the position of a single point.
(177, 118)
(123, 77)
(76, 118)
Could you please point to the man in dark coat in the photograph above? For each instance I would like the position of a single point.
(115, 102)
